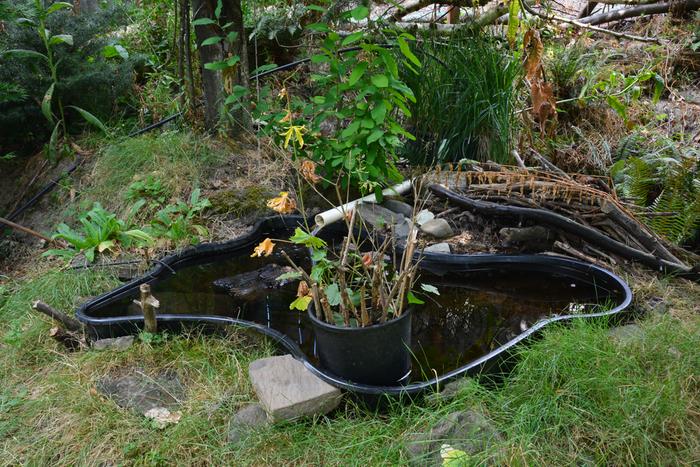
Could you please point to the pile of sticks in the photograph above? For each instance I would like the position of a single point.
(592, 223)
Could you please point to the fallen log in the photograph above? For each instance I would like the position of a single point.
(24, 229)
(567, 225)
(650, 9)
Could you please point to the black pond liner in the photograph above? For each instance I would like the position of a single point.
(434, 263)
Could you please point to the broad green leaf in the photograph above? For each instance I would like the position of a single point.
(430, 289)
(357, 73)
(219, 6)
(374, 136)
(58, 6)
(318, 8)
(216, 66)
(617, 106)
(116, 50)
(333, 294)
(46, 103)
(301, 303)
(233, 60)
(413, 300)
(53, 143)
(379, 112)
(352, 38)
(350, 130)
(231, 37)
(263, 69)
(140, 235)
(65, 253)
(306, 239)
(211, 41)
(203, 22)
(381, 81)
(659, 86)
(105, 245)
(24, 53)
(90, 118)
(406, 51)
(61, 39)
(359, 13)
(318, 27)
(319, 58)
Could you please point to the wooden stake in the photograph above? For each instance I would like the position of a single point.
(69, 323)
(26, 230)
(148, 305)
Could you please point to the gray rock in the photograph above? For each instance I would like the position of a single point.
(253, 285)
(468, 431)
(378, 216)
(248, 419)
(438, 228)
(625, 335)
(287, 390)
(450, 390)
(141, 392)
(424, 216)
(401, 229)
(438, 248)
(398, 207)
(117, 343)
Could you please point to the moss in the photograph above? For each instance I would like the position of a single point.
(240, 202)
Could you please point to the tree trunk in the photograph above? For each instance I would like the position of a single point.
(232, 12)
(212, 83)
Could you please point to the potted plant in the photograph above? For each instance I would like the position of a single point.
(359, 300)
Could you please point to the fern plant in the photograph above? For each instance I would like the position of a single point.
(664, 181)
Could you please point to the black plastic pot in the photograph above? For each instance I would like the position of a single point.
(377, 355)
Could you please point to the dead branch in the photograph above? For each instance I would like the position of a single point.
(650, 9)
(403, 10)
(69, 323)
(26, 230)
(148, 304)
(567, 225)
(590, 27)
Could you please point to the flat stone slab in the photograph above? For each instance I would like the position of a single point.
(116, 343)
(378, 216)
(438, 248)
(398, 207)
(142, 392)
(287, 390)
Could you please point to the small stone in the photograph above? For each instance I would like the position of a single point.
(469, 431)
(142, 392)
(116, 343)
(438, 228)
(398, 207)
(438, 248)
(378, 216)
(625, 335)
(424, 216)
(163, 417)
(401, 229)
(287, 390)
(450, 390)
(246, 420)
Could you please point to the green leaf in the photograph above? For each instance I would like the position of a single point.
(406, 51)
(318, 8)
(233, 60)
(659, 86)
(24, 53)
(301, 303)
(617, 106)
(263, 69)
(350, 130)
(357, 73)
(116, 50)
(211, 41)
(64, 253)
(318, 27)
(381, 81)
(58, 6)
(203, 22)
(140, 235)
(374, 136)
(430, 289)
(303, 238)
(53, 143)
(90, 118)
(46, 103)
(413, 300)
(352, 38)
(105, 245)
(333, 294)
(291, 275)
(219, 6)
(61, 39)
(231, 37)
(378, 113)
(359, 13)
(216, 66)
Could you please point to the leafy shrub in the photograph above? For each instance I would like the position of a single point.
(464, 99)
(657, 176)
(88, 79)
(351, 126)
(176, 222)
(100, 231)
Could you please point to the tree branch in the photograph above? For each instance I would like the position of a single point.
(653, 9)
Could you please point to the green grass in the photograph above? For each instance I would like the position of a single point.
(179, 159)
(465, 99)
(575, 397)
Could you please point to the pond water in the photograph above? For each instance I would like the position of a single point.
(476, 311)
